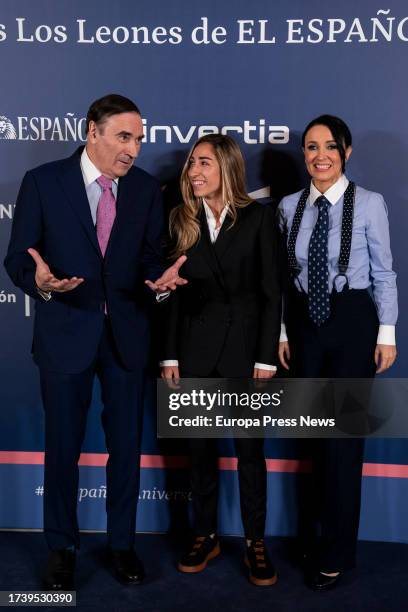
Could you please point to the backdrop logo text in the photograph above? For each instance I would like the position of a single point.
(72, 128)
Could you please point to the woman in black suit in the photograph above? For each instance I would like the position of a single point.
(224, 323)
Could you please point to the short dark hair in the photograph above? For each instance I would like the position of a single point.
(339, 130)
(112, 104)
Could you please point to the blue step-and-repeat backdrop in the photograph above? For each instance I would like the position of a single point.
(258, 71)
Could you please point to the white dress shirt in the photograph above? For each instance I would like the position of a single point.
(90, 174)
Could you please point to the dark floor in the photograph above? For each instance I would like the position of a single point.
(379, 585)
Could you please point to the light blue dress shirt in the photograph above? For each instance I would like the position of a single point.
(370, 264)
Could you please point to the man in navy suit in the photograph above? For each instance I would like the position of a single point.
(86, 233)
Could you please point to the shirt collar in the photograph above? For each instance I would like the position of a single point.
(89, 171)
(333, 194)
(210, 215)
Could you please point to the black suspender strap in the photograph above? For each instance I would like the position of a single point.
(346, 232)
(294, 267)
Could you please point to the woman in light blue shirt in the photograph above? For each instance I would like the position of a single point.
(339, 322)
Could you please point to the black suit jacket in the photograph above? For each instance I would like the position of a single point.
(228, 316)
(53, 215)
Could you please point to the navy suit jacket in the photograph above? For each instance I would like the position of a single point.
(52, 215)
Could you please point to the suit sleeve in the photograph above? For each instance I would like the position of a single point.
(382, 276)
(169, 325)
(152, 253)
(269, 329)
(283, 264)
(27, 231)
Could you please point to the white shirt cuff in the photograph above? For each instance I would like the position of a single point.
(46, 295)
(160, 297)
(265, 366)
(283, 335)
(386, 335)
(174, 362)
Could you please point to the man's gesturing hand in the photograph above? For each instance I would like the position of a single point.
(46, 281)
(170, 278)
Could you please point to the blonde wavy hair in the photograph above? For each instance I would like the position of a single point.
(184, 223)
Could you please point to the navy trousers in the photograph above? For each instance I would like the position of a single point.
(66, 399)
(343, 347)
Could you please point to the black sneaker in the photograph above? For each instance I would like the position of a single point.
(202, 549)
(261, 570)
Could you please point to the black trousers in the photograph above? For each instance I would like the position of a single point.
(343, 347)
(204, 482)
(66, 399)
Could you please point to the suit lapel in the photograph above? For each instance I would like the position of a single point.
(204, 247)
(74, 188)
(213, 253)
(228, 234)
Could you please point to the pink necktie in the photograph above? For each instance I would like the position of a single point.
(106, 212)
